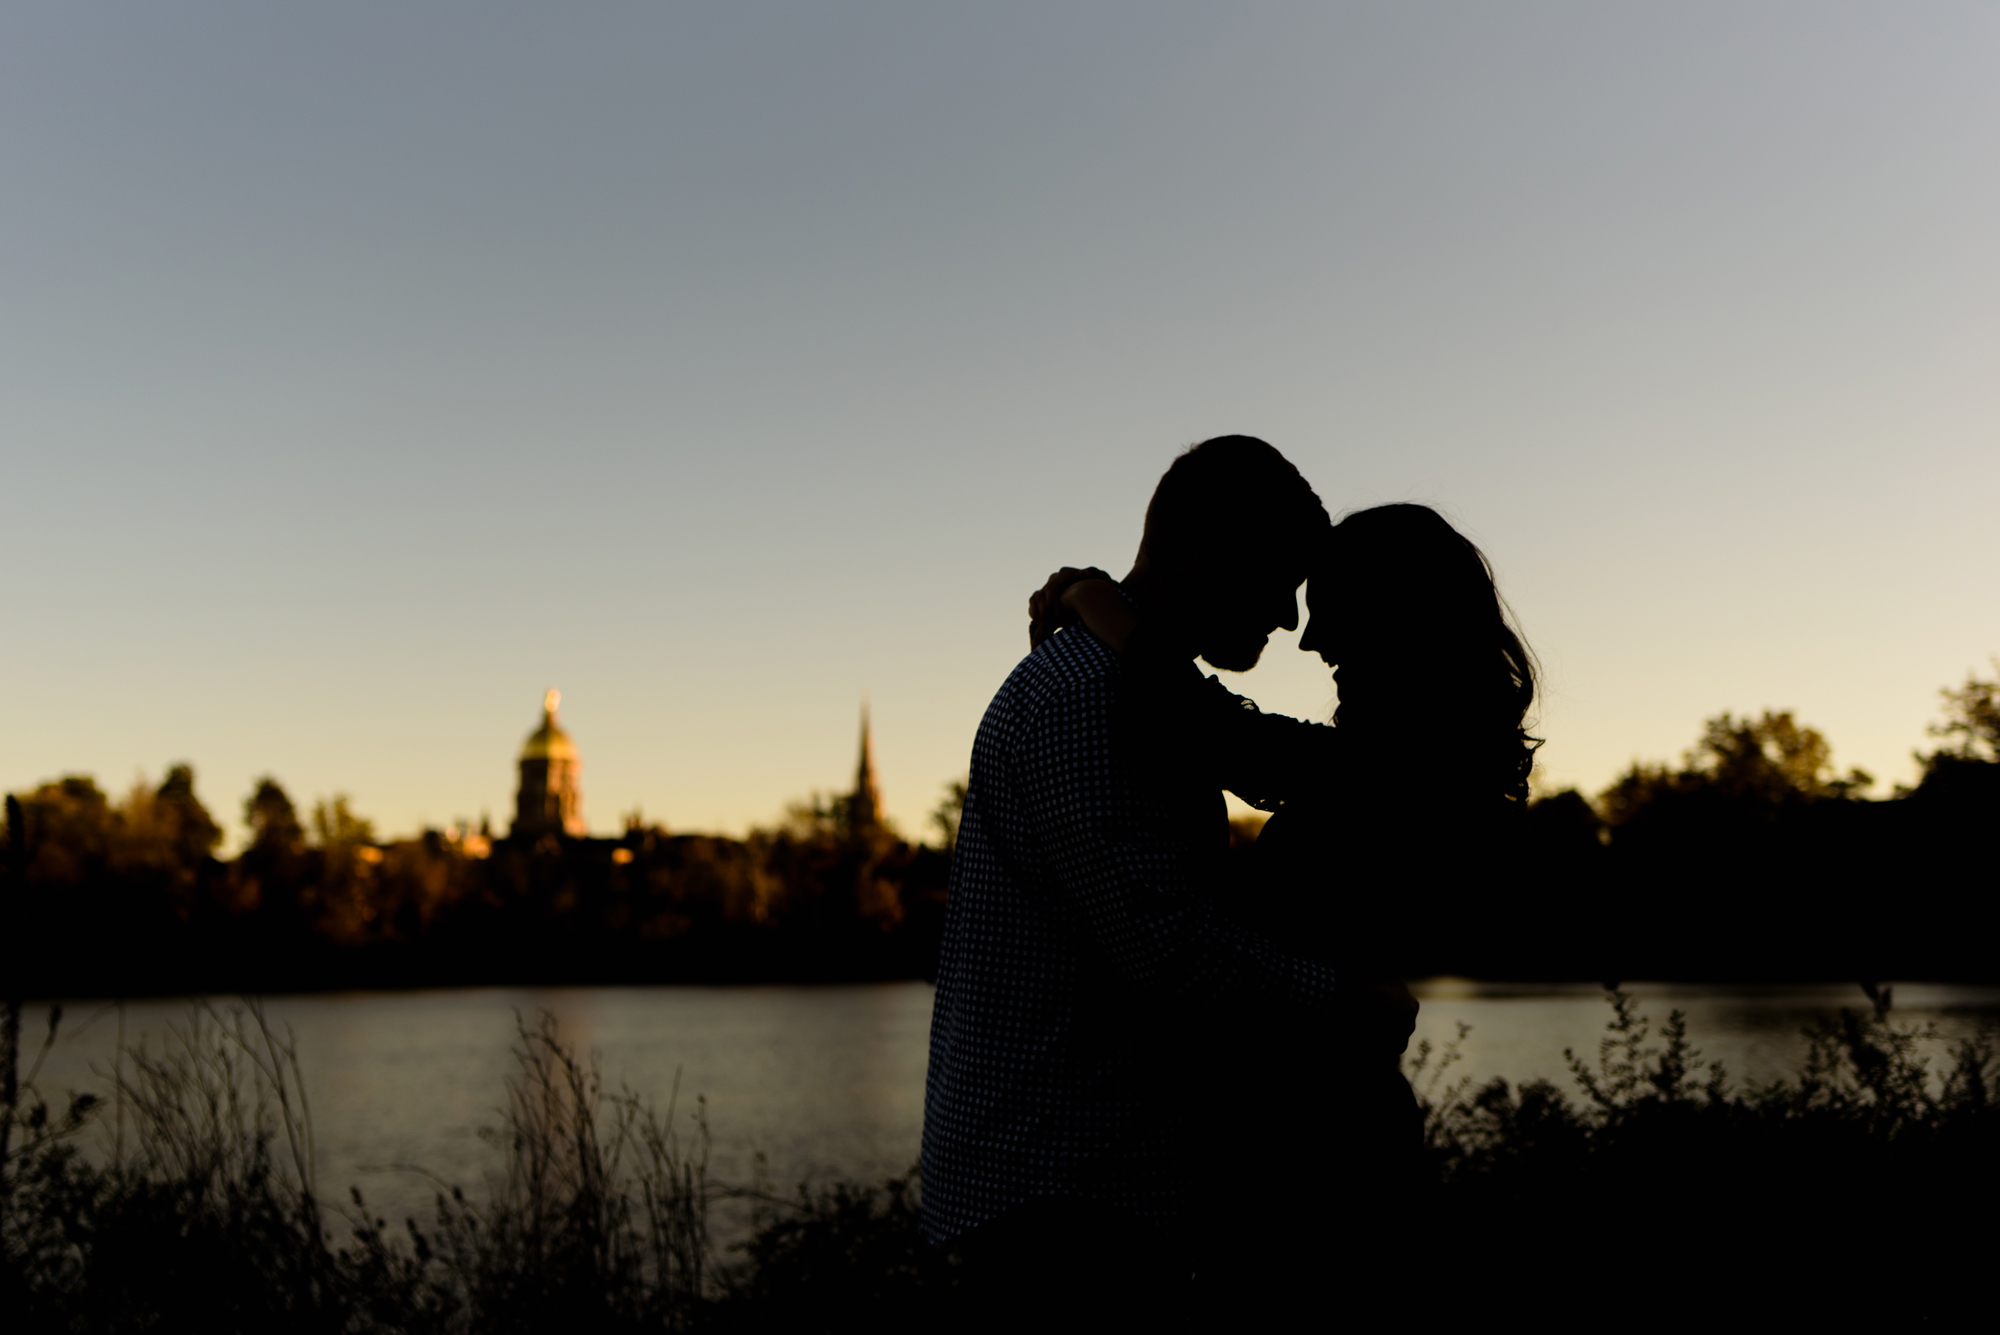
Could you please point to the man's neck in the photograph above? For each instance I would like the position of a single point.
(1153, 596)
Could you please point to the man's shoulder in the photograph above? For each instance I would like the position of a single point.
(1067, 667)
(1067, 662)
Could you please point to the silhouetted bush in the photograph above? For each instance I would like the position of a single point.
(1841, 1191)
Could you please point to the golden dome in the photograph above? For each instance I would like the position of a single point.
(549, 742)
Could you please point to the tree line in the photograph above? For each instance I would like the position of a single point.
(1752, 857)
(128, 896)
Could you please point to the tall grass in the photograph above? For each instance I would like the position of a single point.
(209, 1197)
(600, 1216)
(1648, 1193)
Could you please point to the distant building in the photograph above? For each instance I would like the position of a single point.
(551, 798)
(864, 808)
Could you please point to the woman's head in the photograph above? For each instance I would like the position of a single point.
(1404, 608)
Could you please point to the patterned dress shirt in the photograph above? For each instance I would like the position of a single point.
(1082, 946)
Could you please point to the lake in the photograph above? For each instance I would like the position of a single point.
(827, 1081)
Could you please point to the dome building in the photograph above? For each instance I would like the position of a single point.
(550, 800)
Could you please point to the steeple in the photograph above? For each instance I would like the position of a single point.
(864, 808)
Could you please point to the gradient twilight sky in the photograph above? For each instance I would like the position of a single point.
(367, 368)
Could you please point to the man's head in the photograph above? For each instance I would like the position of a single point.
(1228, 536)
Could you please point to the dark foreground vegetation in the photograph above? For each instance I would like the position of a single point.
(1753, 858)
(1663, 1197)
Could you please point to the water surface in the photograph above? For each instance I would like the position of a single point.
(828, 1081)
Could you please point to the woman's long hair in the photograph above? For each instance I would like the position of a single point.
(1424, 652)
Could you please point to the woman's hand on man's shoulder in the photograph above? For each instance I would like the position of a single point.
(1047, 612)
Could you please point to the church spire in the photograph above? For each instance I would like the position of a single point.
(864, 808)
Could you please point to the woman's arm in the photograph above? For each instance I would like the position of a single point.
(1262, 758)
(1103, 612)
(1046, 612)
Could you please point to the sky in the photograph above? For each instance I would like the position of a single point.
(367, 369)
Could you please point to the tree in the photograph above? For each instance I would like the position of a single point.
(1971, 727)
(1771, 759)
(1961, 780)
(192, 831)
(273, 820)
(949, 811)
(270, 877)
(68, 830)
(336, 826)
(1562, 822)
(1638, 789)
(1745, 764)
(818, 818)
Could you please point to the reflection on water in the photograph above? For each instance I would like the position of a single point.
(828, 1081)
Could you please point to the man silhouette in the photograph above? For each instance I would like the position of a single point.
(1080, 948)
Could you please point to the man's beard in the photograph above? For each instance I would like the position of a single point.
(1235, 655)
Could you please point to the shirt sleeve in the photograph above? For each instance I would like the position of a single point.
(1128, 869)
